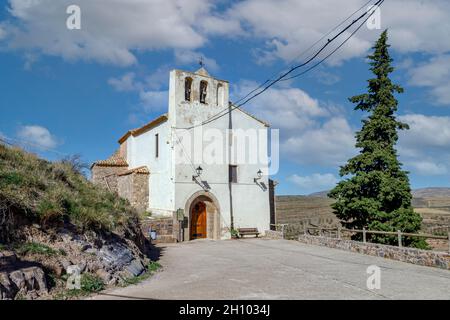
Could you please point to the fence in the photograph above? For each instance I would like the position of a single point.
(292, 231)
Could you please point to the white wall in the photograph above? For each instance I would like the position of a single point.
(141, 152)
(250, 201)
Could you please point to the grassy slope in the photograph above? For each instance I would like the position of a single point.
(50, 193)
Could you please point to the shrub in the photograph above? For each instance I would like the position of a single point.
(91, 283)
(35, 248)
(48, 192)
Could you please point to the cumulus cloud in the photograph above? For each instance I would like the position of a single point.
(111, 31)
(328, 144)
(434, 74)
(37, 136)
(314, 182)
(311, 131)
(425, 148)
(186, 57)
(125, 83)
(285, 108)
(154, 100)
(288, 26)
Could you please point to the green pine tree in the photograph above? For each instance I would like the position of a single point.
(376, 194)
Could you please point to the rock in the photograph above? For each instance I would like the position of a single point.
(85, 247)
(104, 275)
(66, 264)
(35, 279)
(116, 255)
(29, 282)
(82, 265)
(135, 268)
(18, 278)
(7, 288)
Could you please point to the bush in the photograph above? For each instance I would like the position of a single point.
(51, 192)
(91, 283)
(35, 248)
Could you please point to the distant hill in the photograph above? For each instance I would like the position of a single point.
(431, 192)
(432, 203)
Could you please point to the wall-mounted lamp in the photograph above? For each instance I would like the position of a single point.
(199, 171)
(259, 174)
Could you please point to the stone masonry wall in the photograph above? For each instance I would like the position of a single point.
(272, 234)
(106, 176)
(140, 192)
(166, 229)
(410, 255)
(134, 187)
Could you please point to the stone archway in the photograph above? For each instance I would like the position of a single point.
(195, 203)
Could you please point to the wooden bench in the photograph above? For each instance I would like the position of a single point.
(248, 232)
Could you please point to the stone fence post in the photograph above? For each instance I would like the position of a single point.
(399, 236)
(364, 235)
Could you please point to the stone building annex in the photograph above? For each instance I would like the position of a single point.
(192, 192)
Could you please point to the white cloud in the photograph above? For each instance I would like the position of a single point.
(425, 148)
(111, 30)
(329, 144)
(434, 74)
(430, 131)
(188, 57)
(125, 83)
(290, 26)
(314, 182)
(154, 100)
(428, 168)
(37, 136)
(311, 131)
(2, 32)
(286, 108)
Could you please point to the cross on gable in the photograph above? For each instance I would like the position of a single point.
(201, 62)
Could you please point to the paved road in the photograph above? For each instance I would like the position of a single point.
(279, 269)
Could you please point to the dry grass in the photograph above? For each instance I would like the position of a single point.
(55, 192)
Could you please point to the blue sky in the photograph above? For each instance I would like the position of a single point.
(78, 91)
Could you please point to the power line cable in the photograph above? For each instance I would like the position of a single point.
(302, 73)
(307, 50)
(285, 74)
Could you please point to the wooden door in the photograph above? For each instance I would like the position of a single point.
(198, 221)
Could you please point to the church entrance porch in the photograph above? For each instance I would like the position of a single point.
(204, 217)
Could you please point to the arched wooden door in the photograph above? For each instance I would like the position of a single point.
(198, 221)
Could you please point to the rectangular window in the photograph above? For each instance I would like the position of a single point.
(232, 174)
(157, 145)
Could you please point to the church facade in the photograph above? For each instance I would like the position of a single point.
(201, 168)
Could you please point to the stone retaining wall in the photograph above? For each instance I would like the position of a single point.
(272, 234)
(410, 255)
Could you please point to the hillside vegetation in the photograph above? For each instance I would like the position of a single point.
(53, 221)
(33, 190)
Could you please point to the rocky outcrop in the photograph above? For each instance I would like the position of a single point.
(17, 279)
(108, 256)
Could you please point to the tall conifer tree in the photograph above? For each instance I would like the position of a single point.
(376, 194)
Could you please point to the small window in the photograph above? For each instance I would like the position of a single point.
(187, 89)
(232, 173)
(157, 145)
(203, 91)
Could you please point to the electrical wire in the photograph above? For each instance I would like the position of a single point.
(305, 51)
(285, 74)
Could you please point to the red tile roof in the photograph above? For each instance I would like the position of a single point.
(116, 160)
(138, 170)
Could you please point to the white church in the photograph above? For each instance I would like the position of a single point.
(198, 171)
